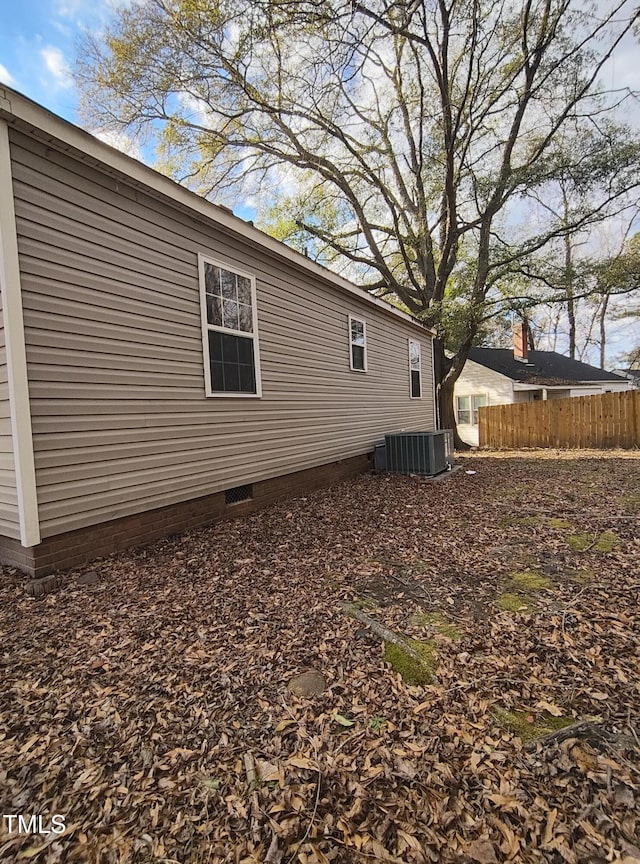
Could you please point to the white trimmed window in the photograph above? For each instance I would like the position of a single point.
(229, 330)
(357, 344)
(467, 408)
(415, 370)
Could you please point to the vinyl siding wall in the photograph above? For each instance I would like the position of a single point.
(9, 515)
(114, 351)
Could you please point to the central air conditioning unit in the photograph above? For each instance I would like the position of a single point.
(425, 453)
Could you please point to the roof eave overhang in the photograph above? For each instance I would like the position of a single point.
(522, 385)
(32, 118)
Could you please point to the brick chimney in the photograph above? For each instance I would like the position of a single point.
(520, 343)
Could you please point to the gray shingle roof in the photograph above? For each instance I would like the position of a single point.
(541, 367)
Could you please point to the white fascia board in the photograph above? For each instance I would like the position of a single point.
(541, 386)
(14, 104)
(573, 385)
(16, 353)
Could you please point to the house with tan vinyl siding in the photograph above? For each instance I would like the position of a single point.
(164, 364)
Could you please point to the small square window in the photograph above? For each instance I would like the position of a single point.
(467, 408)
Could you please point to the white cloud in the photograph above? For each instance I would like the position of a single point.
(70, 8)
(5, 76)
(57, 66)
(80, 12)
(121, 141)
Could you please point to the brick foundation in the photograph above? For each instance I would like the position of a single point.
(78, 548)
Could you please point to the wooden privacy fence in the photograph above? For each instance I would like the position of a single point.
(599, 422)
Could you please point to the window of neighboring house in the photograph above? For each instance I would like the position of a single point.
(464, 410)
(415, 370)
(467, 409)
(477, 402)
(358, 344)
(229, 326)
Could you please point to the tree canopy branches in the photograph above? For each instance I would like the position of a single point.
(406, 143)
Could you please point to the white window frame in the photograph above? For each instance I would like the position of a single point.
(352, 343)
(206, 328)
(472, 406)
(458, 409)
(419, 344)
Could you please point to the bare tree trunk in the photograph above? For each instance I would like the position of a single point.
(447, 413)
(444, 393)
(556, 327)
(603, 329)
(568, 275)
(529, 334)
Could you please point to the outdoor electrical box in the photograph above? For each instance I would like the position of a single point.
(380, 458)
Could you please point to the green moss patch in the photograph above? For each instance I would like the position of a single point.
(605, 542)
(365, 603)
(559, 524)
(531, 580)
(438, 623)
(528, 727)
(413, 671)
(579, 542)
(582, 577)
(528, 520)
(510, 602)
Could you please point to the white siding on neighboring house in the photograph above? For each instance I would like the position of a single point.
(604, 387)
(533, 395)
(111, 299)
(586, 391)
(477, 380)
(498, 389)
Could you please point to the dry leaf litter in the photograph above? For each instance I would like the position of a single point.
(153, 708)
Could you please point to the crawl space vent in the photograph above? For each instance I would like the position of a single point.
(238, 494)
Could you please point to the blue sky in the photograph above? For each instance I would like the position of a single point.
(38, 45)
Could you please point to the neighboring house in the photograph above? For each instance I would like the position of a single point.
(632, 375)
(161, 360)
(499, 376)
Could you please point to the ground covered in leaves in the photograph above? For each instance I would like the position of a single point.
(152, 709)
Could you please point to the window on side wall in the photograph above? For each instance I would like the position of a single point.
(229, 330)
(415, 370)
(467, 408)
(479, 401)
(463, 410)
(357, 344)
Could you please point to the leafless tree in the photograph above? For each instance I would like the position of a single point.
(414, 132)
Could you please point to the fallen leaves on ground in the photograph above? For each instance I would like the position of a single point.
(152, 710)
